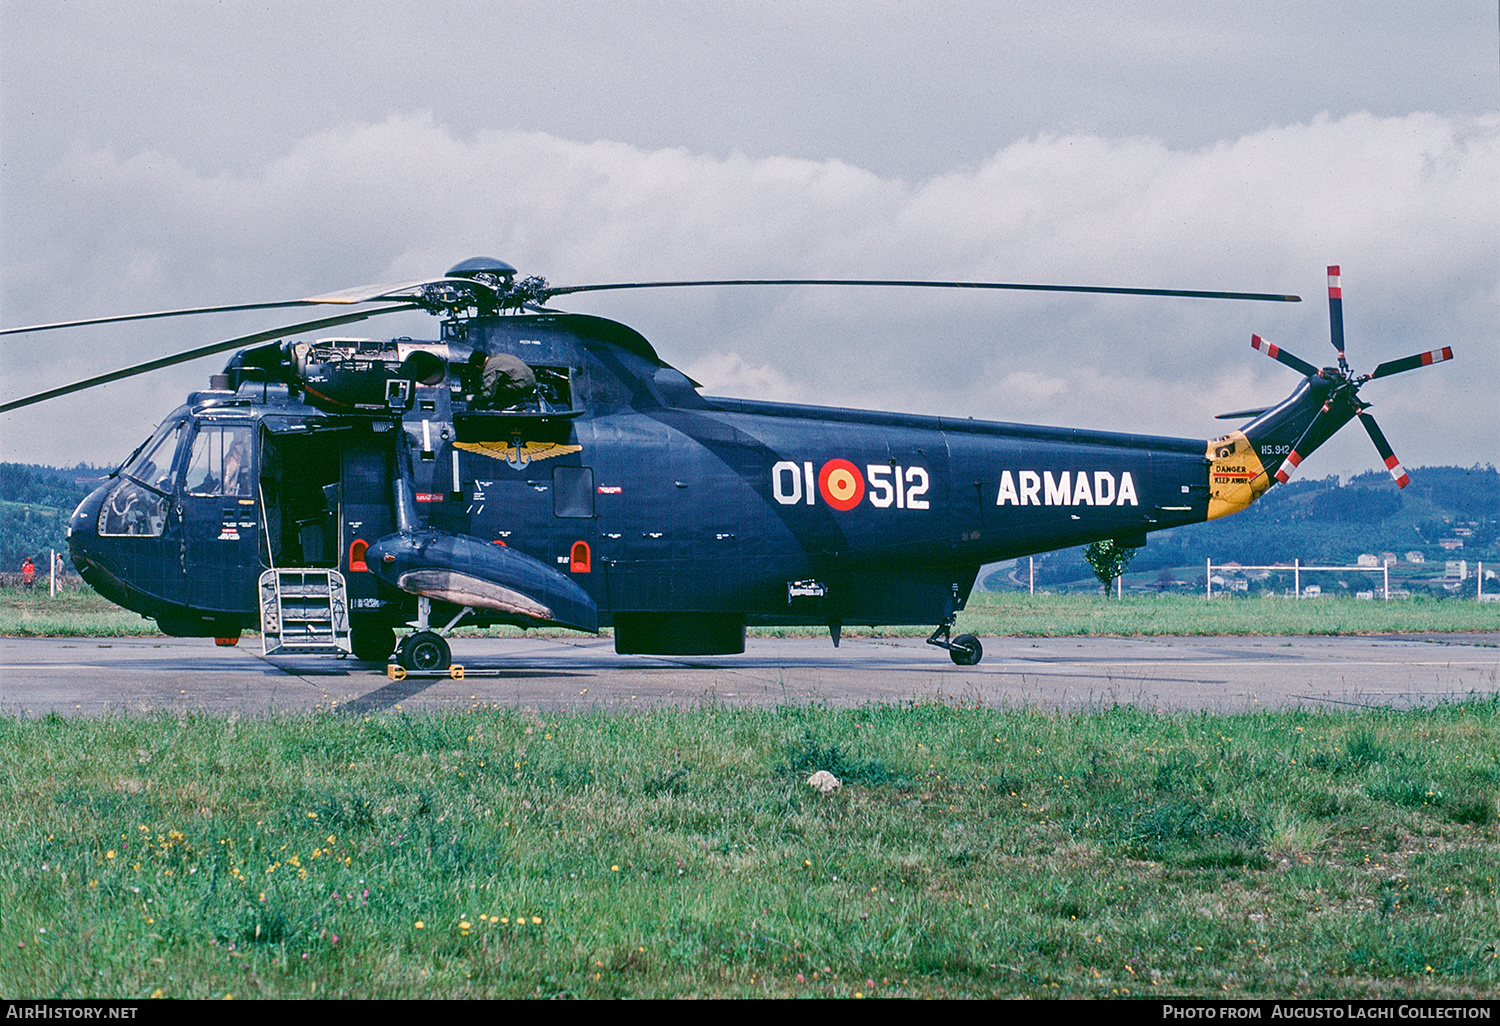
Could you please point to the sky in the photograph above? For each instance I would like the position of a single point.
(156, 155)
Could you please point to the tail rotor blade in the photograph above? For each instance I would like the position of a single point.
(1289, 465)
(1280, 355)
(1384, 448)
(1336, 312)
(1407, 363)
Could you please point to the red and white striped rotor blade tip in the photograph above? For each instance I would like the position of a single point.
(1383, 447)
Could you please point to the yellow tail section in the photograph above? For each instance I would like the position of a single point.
(1236, 477)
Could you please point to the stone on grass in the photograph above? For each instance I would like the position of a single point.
(824, 781)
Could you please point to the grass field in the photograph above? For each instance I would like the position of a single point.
(970, 852)
(1074, 615)
(80, 612)
(75, 611)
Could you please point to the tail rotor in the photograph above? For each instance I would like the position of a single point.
(1342, 389)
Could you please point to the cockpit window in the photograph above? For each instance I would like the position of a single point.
(220, 463)
(152, 463)
(137, 505)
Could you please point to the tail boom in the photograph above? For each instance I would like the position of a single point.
(1244, 463)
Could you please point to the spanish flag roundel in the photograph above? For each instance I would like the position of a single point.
(841, 484)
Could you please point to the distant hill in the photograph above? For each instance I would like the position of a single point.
(35, 503)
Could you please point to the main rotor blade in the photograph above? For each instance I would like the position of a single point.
(390, 291)
(1384, 448)
(193, 354)
(1280, 355)
(1407, 363)
(152, 316)
(1100, 289)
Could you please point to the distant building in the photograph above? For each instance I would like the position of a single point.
(1312, 591)
(1456, 570)
(1367, 559)
(1451, 543)
(1388, 559)
(1415, 557)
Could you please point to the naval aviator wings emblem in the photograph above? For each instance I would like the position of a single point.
(517, 453)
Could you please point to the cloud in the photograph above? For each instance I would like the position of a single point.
(1413, 190)
(730, 374)
(1406, 203)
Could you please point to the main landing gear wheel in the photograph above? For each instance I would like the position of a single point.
(372, 644)
(966, 650)
(424, 650)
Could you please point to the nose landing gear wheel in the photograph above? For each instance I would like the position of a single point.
(966, 650)
(424, 650)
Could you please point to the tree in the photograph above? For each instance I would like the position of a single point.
(1108, 560)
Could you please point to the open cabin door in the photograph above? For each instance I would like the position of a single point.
(299, 486)
(328, 496)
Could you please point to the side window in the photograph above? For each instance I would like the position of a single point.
(554, 389)
(503, 381)
(220, 462)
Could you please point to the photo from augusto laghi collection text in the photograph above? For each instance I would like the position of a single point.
(1340, 1010)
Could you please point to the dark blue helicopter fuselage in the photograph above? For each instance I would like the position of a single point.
(655, 501)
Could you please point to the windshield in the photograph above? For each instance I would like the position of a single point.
(152, 463)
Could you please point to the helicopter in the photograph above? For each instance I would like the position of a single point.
(540, 468)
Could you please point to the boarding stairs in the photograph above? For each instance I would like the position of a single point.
(304, 611)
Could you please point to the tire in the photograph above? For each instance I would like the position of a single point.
(424, 651)
(966, 650)
(373, 644)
